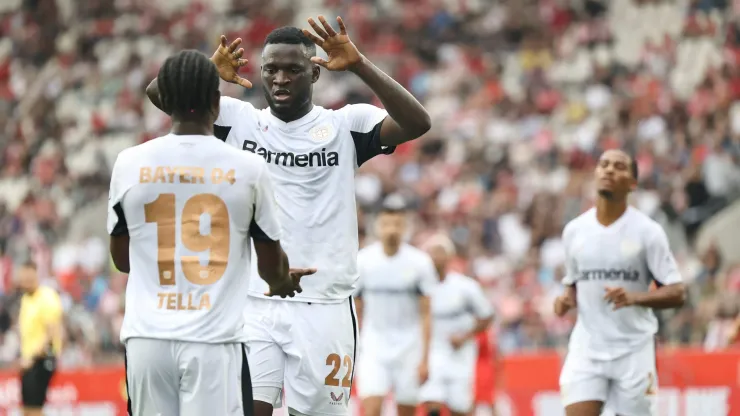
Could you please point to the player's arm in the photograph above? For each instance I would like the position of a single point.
(117, 225)
(272, 262)
(671, 291)
(567, 300)
(481, 309)
(407, 119)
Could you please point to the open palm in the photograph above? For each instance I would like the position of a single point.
(228, 61)
(342, 53)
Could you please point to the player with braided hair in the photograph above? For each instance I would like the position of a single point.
(183, 328)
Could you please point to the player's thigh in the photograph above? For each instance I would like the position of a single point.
(321, 357)
(374, 377)
(461, 394)
(583, 380)
(214, 379)
(406, 380)
(152, 377)
(266, 358)
(635, 383)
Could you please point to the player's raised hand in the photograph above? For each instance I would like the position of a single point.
(343, 54)
(228, 59)
(563, 304)
(618, 297)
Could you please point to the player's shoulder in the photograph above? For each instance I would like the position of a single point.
(135, 154)
(232, 104)
(644, 224)
(578, 223)
(415, 253)
(462, 279)
(370, 250)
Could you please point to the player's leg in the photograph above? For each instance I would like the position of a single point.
(374, 382)
(152, 378)
(461, 396)
(583, 385)
(265, 332)
(635, 383)
(320, 357)
(214, 380)
(406, 384)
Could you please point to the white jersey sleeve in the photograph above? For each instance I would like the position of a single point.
(231, 113)
(479, 304)
(365, 122)
(571, 269)
(428, 278)
(660, 261)
(116, 224)
(265, 224)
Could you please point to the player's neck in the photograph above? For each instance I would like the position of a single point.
(293, 116)
(191, 128)
(609, 211)
(442, 273)
(390, 249)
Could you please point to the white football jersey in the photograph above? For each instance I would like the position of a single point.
(630, 253)
(312, 163)
(457, 302)
(390, 288)
(189, 205)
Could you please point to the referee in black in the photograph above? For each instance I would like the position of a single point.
(40, 327)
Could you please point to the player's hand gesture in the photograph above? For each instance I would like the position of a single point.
(618, 297)
(343, 54)
(458, 341)
(228, 59)
(289, 287)
(563, 304)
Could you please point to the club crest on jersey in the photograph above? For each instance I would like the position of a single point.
(321, 133)
(629, 248)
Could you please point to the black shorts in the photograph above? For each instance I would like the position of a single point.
(35, 382)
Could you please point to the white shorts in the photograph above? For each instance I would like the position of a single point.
(306, 348)
(185, 378)
(627, 385)
(378, 378)
(451, 379)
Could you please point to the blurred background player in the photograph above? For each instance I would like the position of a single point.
(460, 312)
(40, 327)
(396, 280)
(308, 346)
(183, 208)
(613, 254)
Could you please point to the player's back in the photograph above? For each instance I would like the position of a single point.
(188, 202)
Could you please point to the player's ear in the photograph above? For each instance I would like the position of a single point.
(216, 103)
(316, 73)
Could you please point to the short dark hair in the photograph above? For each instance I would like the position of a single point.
(187, 83)
(290, 35)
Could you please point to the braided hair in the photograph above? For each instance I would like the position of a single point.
(187, 83)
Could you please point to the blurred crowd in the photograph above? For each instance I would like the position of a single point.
(524, 96)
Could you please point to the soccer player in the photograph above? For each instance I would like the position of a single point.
(396, 280)
(40, 327)
(182, 209)
(613, 253)
(307, 344)
(460, 311)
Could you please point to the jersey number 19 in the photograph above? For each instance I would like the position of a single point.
(162, 211)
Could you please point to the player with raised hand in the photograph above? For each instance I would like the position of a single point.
(613, 254)
(183, 209)
(306, 344)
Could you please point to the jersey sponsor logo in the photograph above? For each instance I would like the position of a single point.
(302, 160)
(609, 274)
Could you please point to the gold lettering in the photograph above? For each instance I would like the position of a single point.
(170, 173)
(171, 301)
(161, 297)
(183, 301)
(145, 175)
(159, 175)
(205, 302)
(217, 176)
(198, 175)
(185, 174)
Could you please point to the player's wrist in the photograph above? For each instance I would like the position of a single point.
(360, 66)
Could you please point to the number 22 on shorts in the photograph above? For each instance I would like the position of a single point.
(336, 362)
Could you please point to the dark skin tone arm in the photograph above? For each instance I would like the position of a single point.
(119, 252)
(407, 119)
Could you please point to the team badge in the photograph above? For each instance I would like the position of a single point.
(321, 133)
